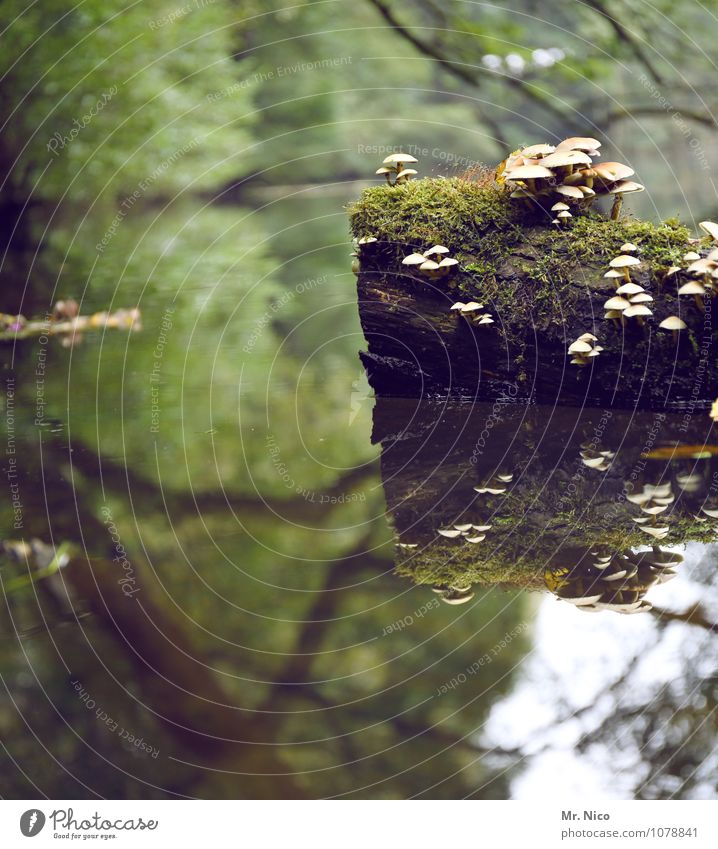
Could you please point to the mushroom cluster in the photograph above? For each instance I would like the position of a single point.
(703, 269)
(653, 499)
(395, 170)
(433, 263)
(618, 582)
(631, 299)
(496, 485)
(473, 311)
(583, 349)
(466, 532)
(565, 173)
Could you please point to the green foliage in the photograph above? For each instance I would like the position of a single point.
(102, 96)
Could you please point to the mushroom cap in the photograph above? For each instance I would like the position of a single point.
(384, 170)
(641, 298)
(629, 289)
(437, 249)
(579, 347)
(579, 143)
(537, 150)
(711, 228)
(701, 266)
(586, 190)
(428, 265)
(448, 261)
(457, 306)
(413, 259)
(462, 599)
(623, 260)
(691, 255)
(613, 273)
(559, 207)
(625, 187)
(396, 158)
(562, 158)
(692, 288)
(612, 171)
(628, 247)
(407, 172)
(486, 319)
(588, 337)
(636, 309)
(570, 192)
(528, 172)
(612, 314)
(564, 214)
(617, 303)
(449, 533)
(472, 306)
(654, 531)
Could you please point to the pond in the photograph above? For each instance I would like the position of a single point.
(227, 565)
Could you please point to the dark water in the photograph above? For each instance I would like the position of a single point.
(238, 613)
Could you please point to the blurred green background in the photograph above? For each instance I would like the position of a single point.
(195, 160)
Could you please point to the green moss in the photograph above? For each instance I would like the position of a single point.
(480, 222)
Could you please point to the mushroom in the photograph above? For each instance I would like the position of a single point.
(528, 174)
(628, 248)
(453, 596)
(619, 190)
(536, 151)
(624, 262)
(714, 411)
(696, 289)
(449, 533)
(570, 192)
(673, 323)
(711, 228)
(629, 289)
(579, 143)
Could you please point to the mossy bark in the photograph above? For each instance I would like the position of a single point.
(544, 286)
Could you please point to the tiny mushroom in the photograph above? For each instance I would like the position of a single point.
(624, 262)
(619, 190)
(673, 323)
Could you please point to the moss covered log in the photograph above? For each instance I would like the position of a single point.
(544, 286)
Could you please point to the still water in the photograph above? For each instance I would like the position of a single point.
(261, 563)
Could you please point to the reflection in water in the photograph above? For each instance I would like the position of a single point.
(582, 502)
(254, 634)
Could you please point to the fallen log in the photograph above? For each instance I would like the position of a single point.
(543, 285)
